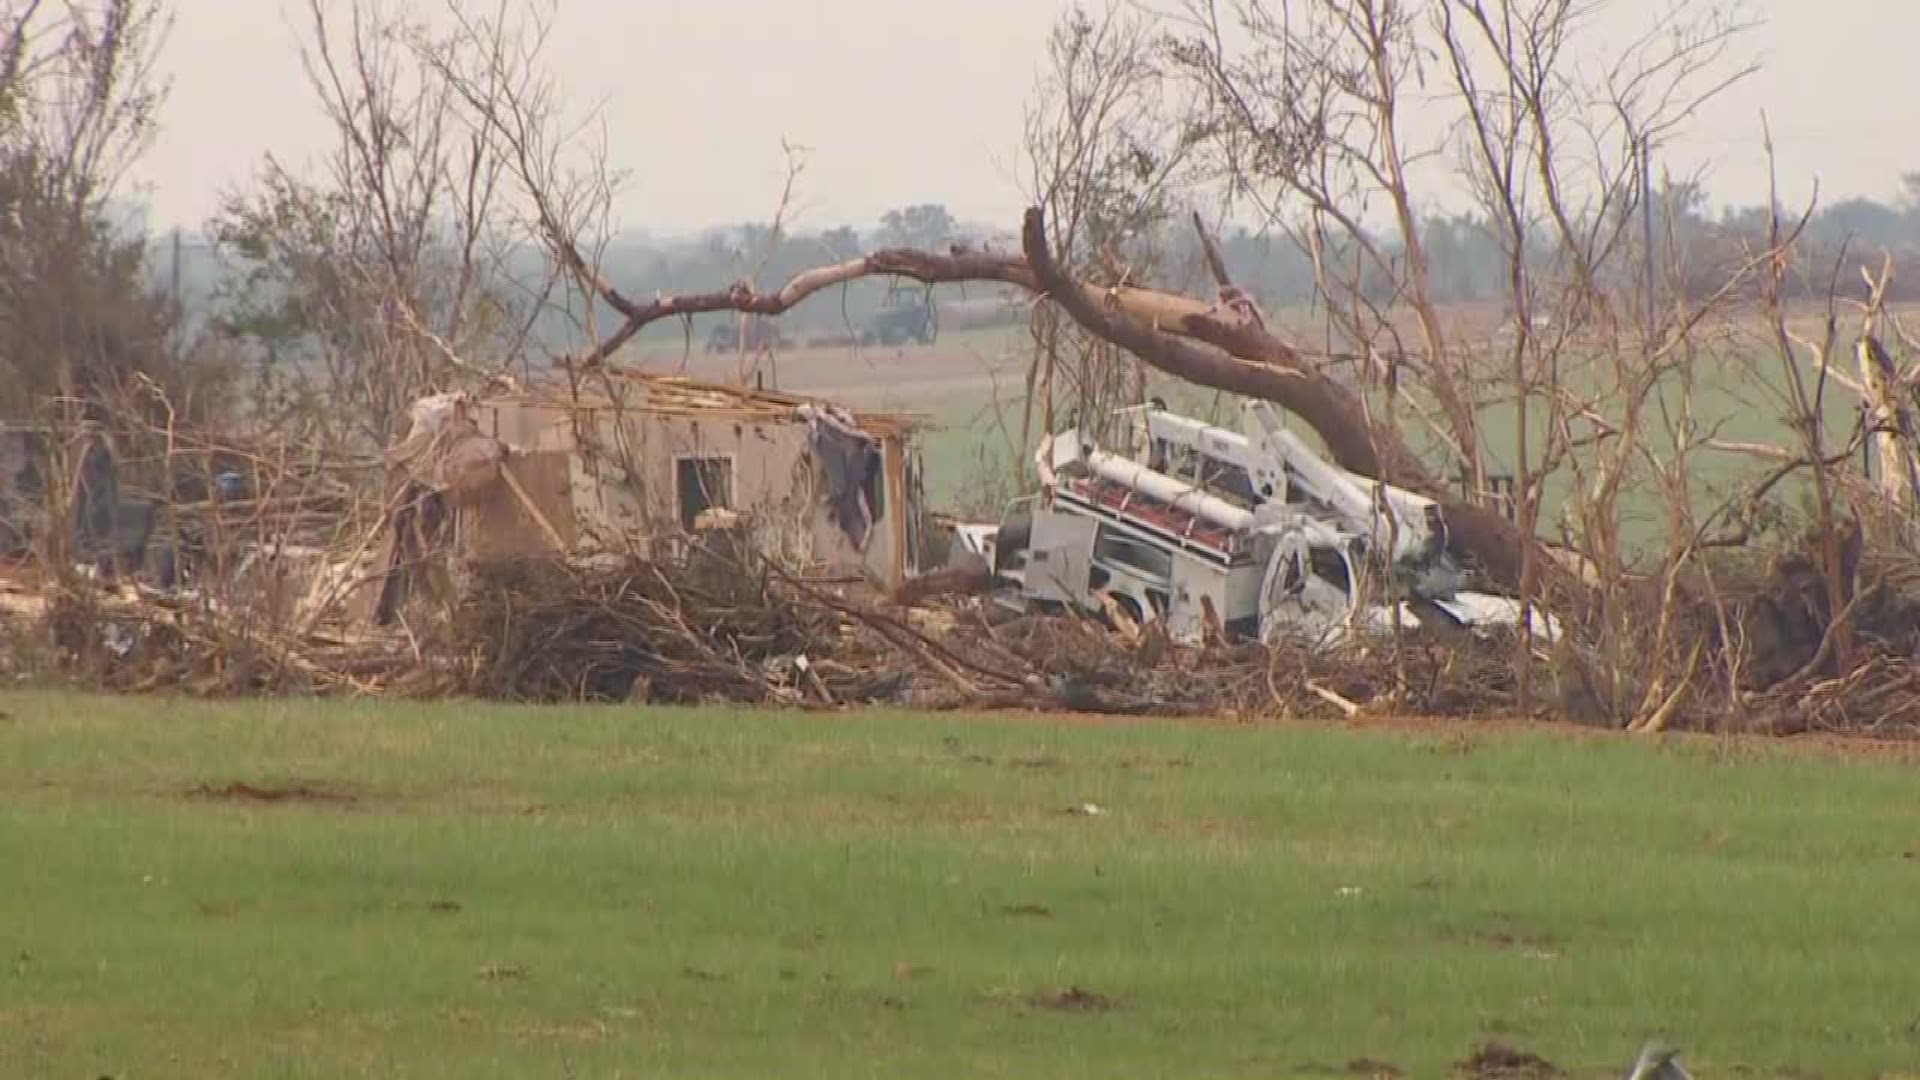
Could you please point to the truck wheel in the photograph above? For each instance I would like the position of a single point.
(1014, 536)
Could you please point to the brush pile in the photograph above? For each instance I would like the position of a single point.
(126, 640)
(705, 630)
(1801, 685)
(721, 623)
(714, 626)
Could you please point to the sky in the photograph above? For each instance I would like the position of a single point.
(907, 101)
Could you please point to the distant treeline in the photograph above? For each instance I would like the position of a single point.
(1697, 250)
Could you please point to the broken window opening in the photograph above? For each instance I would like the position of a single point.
(1330, 566)
(874, 486)
(1228, 480)
(702, 484)
(1291, 577)
(1135, 554)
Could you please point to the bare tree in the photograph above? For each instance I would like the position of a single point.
(77, 107)
(1306, 102)
(390, 273)
(1109, 153)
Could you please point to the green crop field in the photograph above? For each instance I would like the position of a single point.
(971, 386)
(311, 889)
(971, 447)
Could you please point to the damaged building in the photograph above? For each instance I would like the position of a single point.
(639, 461)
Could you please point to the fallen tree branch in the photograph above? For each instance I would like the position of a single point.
(1336, 414)
(937, 584)
(925, 267)
(1331, 698)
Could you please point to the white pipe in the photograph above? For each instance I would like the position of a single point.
(1129, 473)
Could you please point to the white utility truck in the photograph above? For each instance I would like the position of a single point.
(1249, 533)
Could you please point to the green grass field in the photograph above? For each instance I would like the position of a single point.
(975, 431)
(305, 889)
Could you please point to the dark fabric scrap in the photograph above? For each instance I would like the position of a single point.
(849, 460)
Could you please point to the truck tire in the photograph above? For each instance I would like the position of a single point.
(1015, 535)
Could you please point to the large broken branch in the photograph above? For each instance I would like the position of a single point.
(1217, 357)
(921, 266)
(1171, 312)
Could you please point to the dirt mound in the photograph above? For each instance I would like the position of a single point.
(242, 792)
(1074, 999)
(1498, 1061)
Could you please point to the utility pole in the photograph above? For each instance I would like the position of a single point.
(1646, 224)
(175, 282)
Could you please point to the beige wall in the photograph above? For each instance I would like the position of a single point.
(627, 479)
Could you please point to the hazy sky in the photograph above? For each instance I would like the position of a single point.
(922, 100)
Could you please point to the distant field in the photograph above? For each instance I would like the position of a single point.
(972, 386)
(303, 889)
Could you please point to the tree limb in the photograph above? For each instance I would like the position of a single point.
(922, 266)
(1336, 414)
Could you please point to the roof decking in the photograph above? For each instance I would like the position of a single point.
(674, 395)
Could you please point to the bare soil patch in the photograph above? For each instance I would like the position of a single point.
(290, 794)
(1504, 934)
(1498, 1061)
(1074, 999)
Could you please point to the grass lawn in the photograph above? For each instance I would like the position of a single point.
(307, 889)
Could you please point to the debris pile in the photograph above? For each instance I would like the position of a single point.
(720, 625)
(126, 640)
(1799, 685)
(759, 549)
(701, 630)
